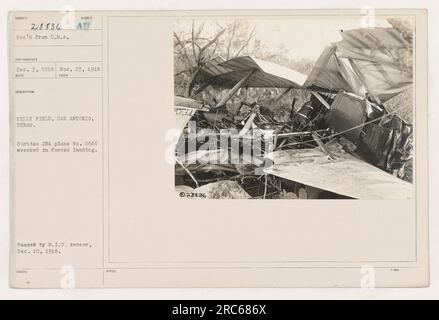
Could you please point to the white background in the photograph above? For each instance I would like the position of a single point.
(423, 293)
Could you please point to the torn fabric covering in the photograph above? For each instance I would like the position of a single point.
(267, 75)
(346, 175)
(212, 69)
(376, 60)
(333, 74)
(370, 59)
(387, 144)
(384, 45)
(382, 81)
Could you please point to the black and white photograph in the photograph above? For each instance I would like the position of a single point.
(157, 153)
(306, 108)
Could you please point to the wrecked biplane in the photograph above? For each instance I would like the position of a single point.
(341, 143)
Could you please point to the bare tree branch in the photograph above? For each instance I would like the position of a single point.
(246, 43)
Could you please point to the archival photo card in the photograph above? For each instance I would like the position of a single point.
(176, 148)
